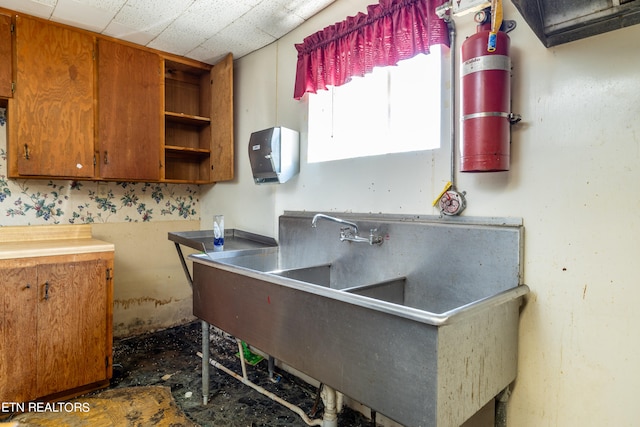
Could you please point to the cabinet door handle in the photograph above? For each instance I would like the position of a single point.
(28, 286)
(26, 152)
(106, 158)
(46, 290)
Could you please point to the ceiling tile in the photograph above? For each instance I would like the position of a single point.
(210, 17)
(305, 8)
(239, 30)
(129, 34)
(150, 16)
(274, 21)
(178, 39)
(81, 14)
(207, 55)
(234, 39)
(111, 6)
(252, 3)
(35, 8)
(204, 30)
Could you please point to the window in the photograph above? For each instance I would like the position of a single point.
(394, 109)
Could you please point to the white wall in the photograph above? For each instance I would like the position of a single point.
(574, 179)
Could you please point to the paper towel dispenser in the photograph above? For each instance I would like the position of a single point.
(274, 154)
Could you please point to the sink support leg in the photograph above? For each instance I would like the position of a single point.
(205, 332)
(184, 265)
(273, 377)
(205, 362)
(243, 365)
(501, 407)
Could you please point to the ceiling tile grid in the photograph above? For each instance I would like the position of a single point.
(204, 30)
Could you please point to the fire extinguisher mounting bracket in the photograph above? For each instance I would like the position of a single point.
(514, 118)
(508, 25)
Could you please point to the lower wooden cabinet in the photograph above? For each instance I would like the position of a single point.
(55, 325)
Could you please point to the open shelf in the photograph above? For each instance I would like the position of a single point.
(180, 166)
(187, 147)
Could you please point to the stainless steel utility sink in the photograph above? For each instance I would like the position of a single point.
(422, 328)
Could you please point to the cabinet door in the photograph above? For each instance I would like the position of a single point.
(222, 157)
(18, 298)
(6, 57)
(129, 112)
(54, 96)
(72, 325)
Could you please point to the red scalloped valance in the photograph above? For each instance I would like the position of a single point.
(389, 32)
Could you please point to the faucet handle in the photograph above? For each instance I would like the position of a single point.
(374, 239)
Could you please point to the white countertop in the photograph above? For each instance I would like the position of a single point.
(37, 241)
(53, 247)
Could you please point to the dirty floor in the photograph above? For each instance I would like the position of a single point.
(169, 358)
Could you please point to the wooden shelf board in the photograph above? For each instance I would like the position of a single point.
(187, 119)
(176, 151)
(185, 181)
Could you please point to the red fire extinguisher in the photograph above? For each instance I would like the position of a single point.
(486, 99)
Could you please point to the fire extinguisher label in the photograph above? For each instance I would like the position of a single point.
(486, 62)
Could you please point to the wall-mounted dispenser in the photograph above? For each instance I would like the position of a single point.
(274, 154)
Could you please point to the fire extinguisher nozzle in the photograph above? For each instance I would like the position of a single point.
(491, 45)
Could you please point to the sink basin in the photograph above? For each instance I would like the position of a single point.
(422, 328)
(317, 275)
(391, 290)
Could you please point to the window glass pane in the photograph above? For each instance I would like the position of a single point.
(415, 100)
(393, 109)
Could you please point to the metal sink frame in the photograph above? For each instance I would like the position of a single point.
(423, 328)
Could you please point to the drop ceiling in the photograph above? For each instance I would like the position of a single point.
(204, 30)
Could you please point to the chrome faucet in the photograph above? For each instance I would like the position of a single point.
(316, 217)
(349, 233)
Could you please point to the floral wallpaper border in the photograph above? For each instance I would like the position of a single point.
(27, 202)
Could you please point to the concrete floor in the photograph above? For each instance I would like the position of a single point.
(169, 358)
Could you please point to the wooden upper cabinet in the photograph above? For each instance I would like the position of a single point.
(88, 107)
(54, 101)
(6, 57)
(129, 112)
(222, 151)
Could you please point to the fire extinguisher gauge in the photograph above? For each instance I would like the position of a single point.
(481, 17)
